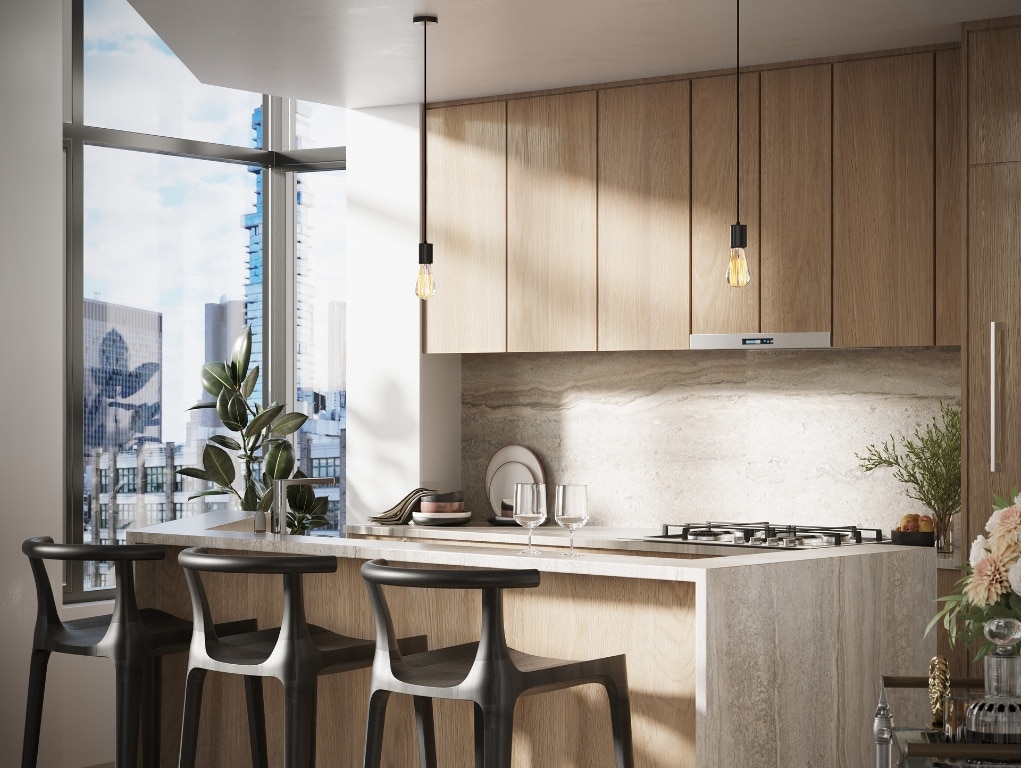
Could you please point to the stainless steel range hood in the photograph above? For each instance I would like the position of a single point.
(808, 340)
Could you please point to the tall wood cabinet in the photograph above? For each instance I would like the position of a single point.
(993, 418)
(551, 223)
(883, 208)
(468, 228)
(644, 217)
(715, 306)
(795, 262)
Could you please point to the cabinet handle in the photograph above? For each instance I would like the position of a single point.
(993, 386)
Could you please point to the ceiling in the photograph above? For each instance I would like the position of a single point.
(361, 53)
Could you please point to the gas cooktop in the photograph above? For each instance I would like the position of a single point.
(766, 534)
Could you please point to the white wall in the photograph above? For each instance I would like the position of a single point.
(403, 422)
(78, 718)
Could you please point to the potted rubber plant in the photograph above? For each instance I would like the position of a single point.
(258, 434)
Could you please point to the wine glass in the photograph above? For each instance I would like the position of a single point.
(529, 509)
(571, 510)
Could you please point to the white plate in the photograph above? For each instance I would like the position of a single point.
(448, 518)
(509, 465)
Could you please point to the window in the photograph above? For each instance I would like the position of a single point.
(168, 264)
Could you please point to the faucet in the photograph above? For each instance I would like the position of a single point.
(278, 520)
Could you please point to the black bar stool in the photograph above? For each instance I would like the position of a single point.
(295, 653)
(133, 638)
(486, 672)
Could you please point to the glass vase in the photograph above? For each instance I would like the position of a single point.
(943, 533)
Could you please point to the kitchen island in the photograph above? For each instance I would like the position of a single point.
(746, 659)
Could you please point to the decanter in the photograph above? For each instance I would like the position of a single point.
(996, 717)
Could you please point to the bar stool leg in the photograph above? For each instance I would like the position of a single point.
(426, 732)
(128, 701)
(151, 692)
(497, 736)
(256, 721)
(374, 728)
(190, 720)
(34, 710)
(480, 757)
(620, 715)
(300, 721)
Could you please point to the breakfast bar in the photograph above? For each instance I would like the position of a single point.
(724, 652)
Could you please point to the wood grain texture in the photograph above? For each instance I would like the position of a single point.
(715, 306)
(568, 616)
(951, 197)
(551, 223)
(883, 189)
(994, 241)
(644, 217)
(994, 71)
(796, 255)
(467, 179)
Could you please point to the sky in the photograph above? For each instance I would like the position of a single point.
(164, 233)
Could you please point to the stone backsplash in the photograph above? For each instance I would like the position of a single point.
(722, 435)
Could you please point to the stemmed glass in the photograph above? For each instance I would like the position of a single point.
(529, 509)
(571, 510)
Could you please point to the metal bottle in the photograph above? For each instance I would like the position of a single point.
(882, 729)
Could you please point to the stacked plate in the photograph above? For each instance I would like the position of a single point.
(441, 509)
(440, 518)
(510, 465)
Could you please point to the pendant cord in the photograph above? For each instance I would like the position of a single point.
(425, 72)
(737, 111)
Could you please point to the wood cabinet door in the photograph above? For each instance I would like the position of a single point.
(467, 178)
(994, 432)
(795, 259)
(883, 272)
(715, 306)
(994, 76)
(951, 197)
(644, 217)
(551, 223)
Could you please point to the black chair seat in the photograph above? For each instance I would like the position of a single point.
(486, 672)
(167, 634)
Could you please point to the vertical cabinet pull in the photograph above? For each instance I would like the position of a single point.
(993, 387)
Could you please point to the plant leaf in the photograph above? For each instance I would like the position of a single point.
(279, 461)
(203, 404)
(232, 410)
(267, 500)
(263, 420)
(301, 498)
(248, 385)
(215, 377)
(218, 465)
(199, 474)
(214, 492)
(288, 423)
(225, 441)
(250, 501)
(241, 354)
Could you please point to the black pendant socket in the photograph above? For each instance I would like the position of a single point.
(425, 253)
(738, 235)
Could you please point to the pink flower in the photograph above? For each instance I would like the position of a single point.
(1014, 577)
(1006, 521)
(1005, 545)
(979, 549)
(988, 581)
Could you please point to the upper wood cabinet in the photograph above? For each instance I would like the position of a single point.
(994, 76)
(883, 218)
(715, 306)
(795, 259)
(951, 196)
(644, 217)
(551, 223)
(468, 228)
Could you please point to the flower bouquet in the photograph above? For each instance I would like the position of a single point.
(991, 585)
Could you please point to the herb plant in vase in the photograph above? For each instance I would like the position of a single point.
(930, 466)
(261, 436)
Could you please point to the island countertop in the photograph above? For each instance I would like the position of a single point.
(721, 651)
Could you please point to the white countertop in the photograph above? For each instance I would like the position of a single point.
(440, 545)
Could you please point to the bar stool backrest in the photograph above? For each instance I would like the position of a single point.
(492, 640)
(123, 556)
(293, 623)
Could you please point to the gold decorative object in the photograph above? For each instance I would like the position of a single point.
(939, 686)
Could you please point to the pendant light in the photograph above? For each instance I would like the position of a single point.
(738, 275)
(425, 286)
